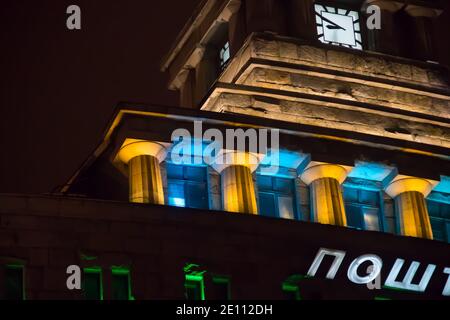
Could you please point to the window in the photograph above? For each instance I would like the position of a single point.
(363, 208)
(291, 291)
(92, 284)
(121, 284)
(187, 186)
(14, 284)
(194, 287)
(291, 287)
(225, 55)
(276, 197)
(220, 288)
(440, 220)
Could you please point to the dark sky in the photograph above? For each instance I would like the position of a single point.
(59, 87)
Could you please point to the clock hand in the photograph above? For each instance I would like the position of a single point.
(334, 25)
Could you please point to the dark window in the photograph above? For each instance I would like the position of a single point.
(440, 220)
(276, 197)
(220, 288)
(121, 285)
(187, 186)
(291, 291)
(363, 208)
(92, 284)
(194, 287)
(14, 286)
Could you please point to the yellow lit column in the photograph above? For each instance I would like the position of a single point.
(238, 190)
(143, 159)
(327, 203)
(409, 194)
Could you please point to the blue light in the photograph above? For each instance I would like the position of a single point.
(283, 163)
(188, 151)
(372, 172)
(177, 202)
(443, 186)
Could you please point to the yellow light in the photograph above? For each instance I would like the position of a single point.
(319, 171)
(132, 148)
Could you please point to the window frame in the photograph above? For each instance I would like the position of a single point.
(122, 271)
(185, 183)
(15, 266)
(200, 282)
(99, 272)
(277, 194)
(441, 219)
(380, 199)
(220, 279)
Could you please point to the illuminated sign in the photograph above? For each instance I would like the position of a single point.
(375, 271)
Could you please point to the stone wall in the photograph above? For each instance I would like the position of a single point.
(335, 116)
(366, 64)
(155, 242)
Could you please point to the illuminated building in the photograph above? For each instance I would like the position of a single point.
(363, 168)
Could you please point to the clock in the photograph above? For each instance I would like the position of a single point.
(338, 26)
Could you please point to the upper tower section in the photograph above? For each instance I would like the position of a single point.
(219, 31)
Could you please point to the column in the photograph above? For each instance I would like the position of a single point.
(238, 190)
(143, 159)
(412, 213)
(327, 203)
(385, 39)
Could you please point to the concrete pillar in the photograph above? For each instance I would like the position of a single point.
(412, 213)
(143, 159)
(238, 190)
(327, 203)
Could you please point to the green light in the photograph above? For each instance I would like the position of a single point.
(98, 271)
(291, 285)
(14, 266)
(194, 283)
(20, 279)
(223, 280)
(189, 266)
(122, 271)
(292, 289)
(398, 289)
(382, 298)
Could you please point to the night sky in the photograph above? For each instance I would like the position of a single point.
(59, 87)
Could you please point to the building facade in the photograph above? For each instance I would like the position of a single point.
(331, 180)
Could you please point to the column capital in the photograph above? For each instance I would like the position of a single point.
(316, 171)
(402, 184)
(132, 148)
(386, 5)
(227, 158)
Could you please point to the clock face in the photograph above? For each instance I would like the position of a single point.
(338, 26)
